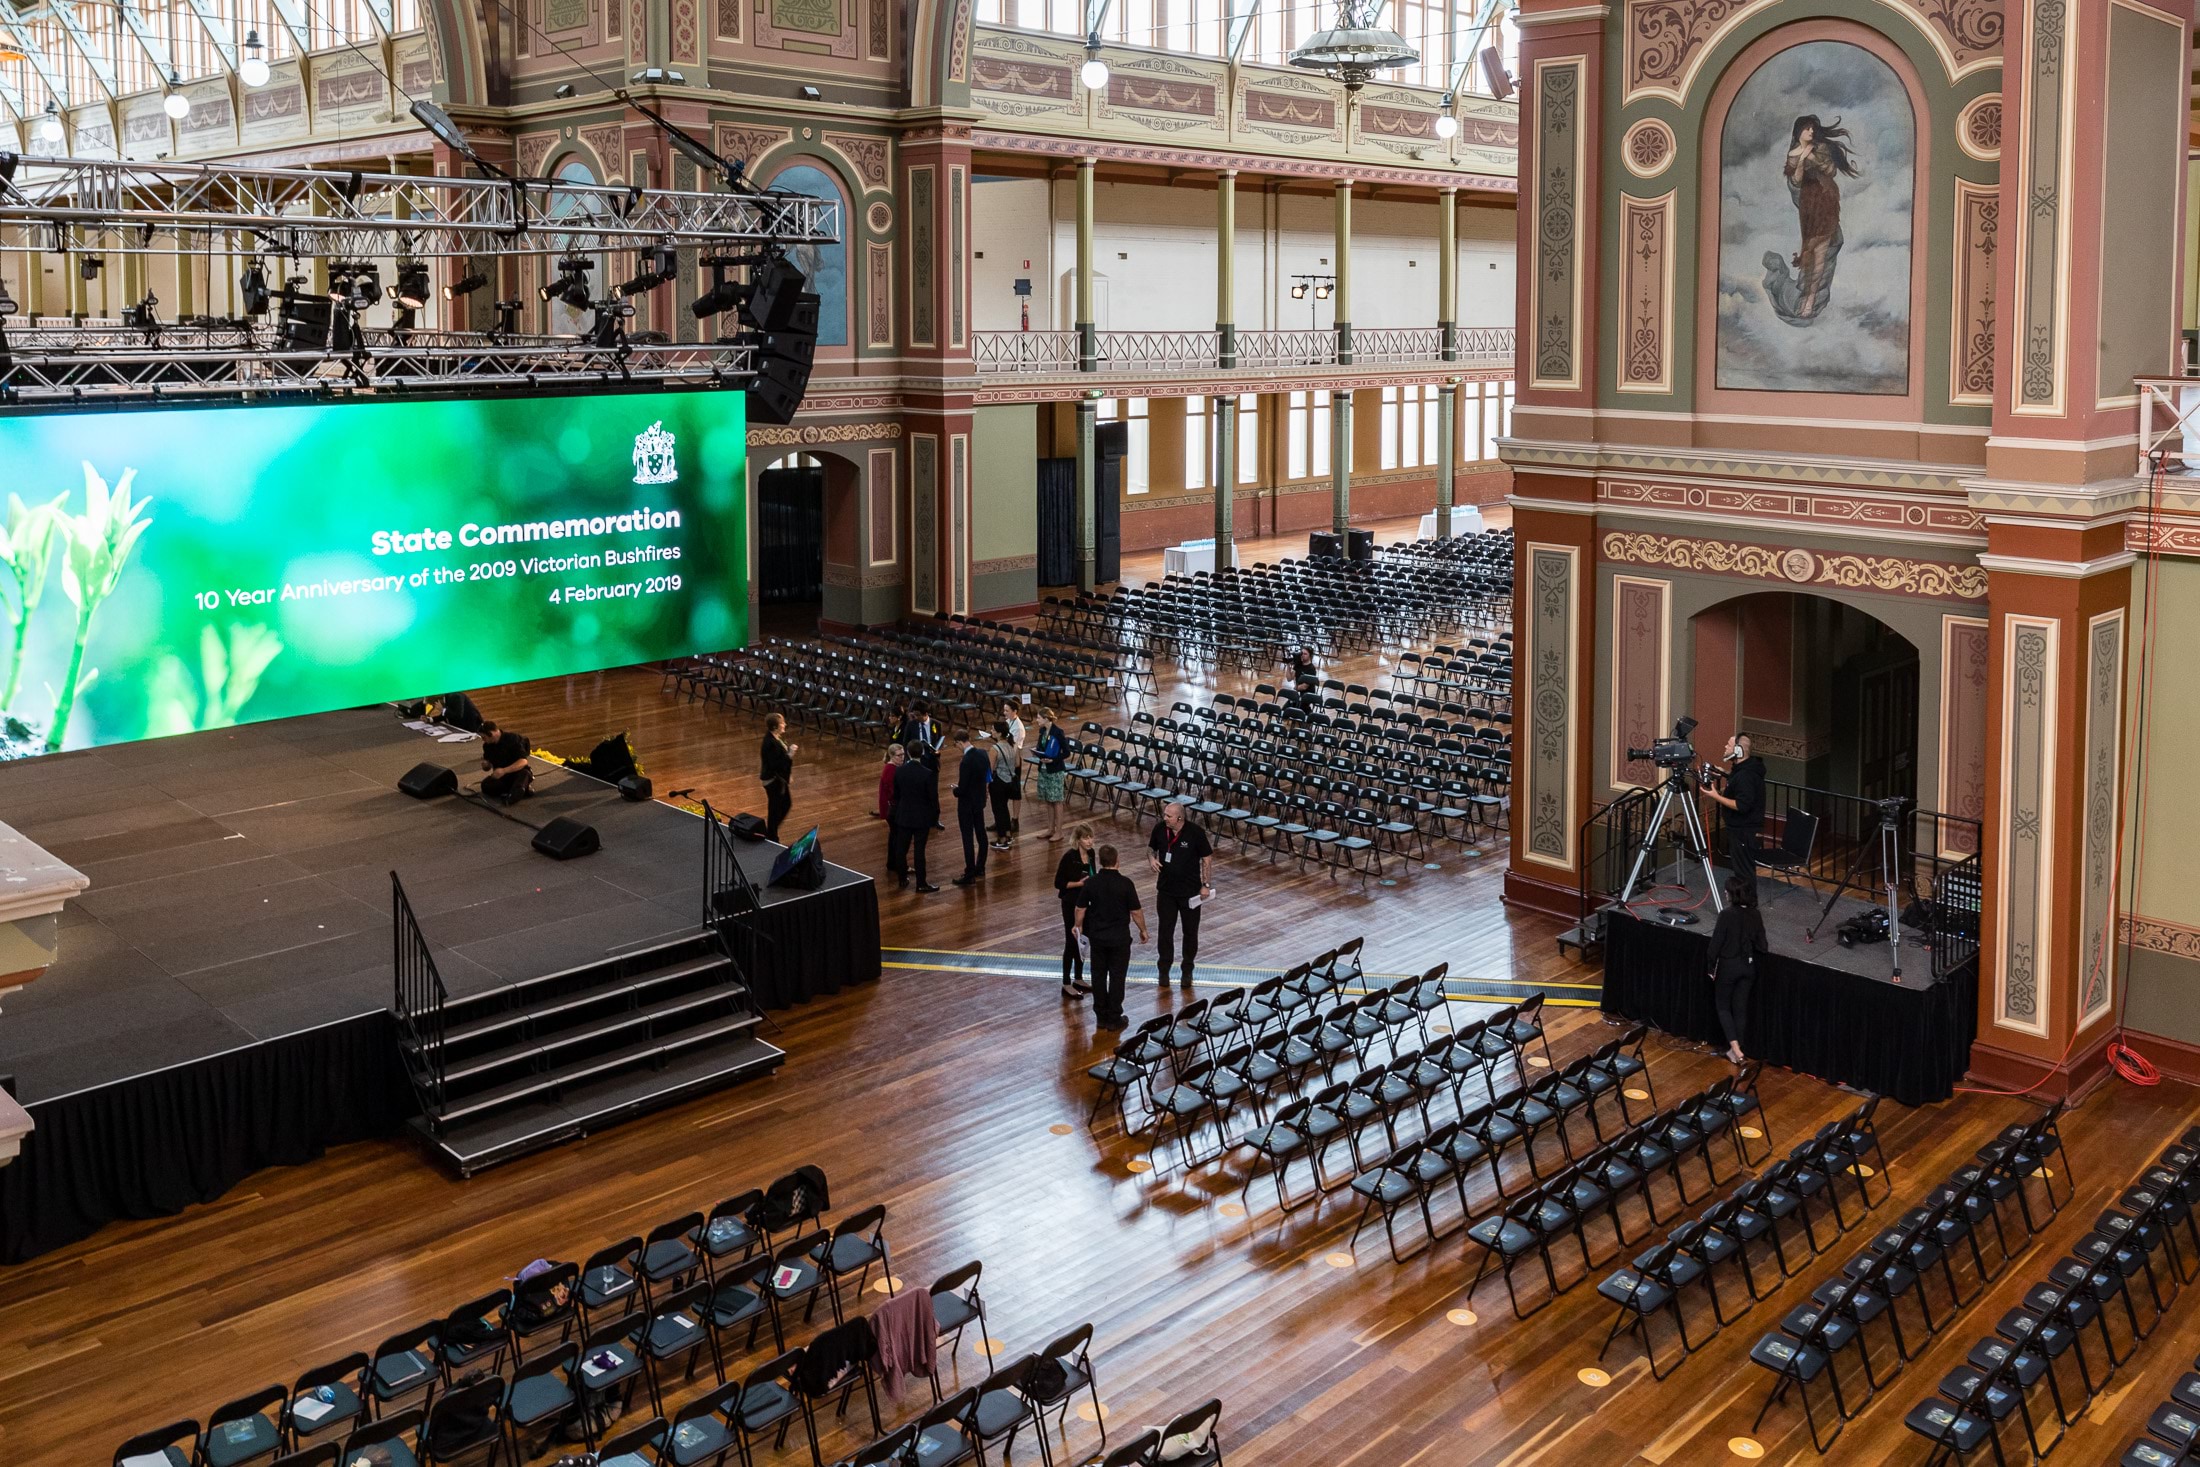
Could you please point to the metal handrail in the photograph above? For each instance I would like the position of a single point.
(1270, 349)
(727, 890)
(2169, 410)
(1166, 352)
(1159, 351)
(419, 1000)
(1024, 351)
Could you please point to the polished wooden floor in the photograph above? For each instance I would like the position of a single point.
(955, 1095)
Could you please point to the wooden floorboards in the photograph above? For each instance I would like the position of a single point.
(957, 1098)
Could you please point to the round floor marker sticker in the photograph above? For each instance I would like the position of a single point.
(996, 1346)
(2045, 1174)
(1753, 1133)
(1537, 1061)
(1233, 1209)
(1339, 1260)
(1745, 1446)
(1086, 1412)
(886, 1286)
(1060, 1128)
(1633, 1094)
(1862, 1170)
(1140, 1164)
(1591, 1376)
(1463, 1317)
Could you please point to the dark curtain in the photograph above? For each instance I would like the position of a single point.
(153, 1145)
(1910, 1042)
(790, 534)
(816, 944)
(1057, 521)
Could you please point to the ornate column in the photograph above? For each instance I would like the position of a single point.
(1554, 516)
(1222, 412)
(1088, 344)
(937, 402)
(1340, 403)
(2081, 309)
(1447, 328)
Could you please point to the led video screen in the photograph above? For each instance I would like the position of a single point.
(178, 569)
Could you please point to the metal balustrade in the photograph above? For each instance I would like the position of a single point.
(1164, 353)
(2169, 426)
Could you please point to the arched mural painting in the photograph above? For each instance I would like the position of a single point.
(1817, 186)
(825, 265)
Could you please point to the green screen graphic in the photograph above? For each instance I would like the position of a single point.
(183, 569)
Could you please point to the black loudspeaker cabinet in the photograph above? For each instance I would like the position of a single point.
(564, 838)
(1359, 545)
(1111, 442)
(426, 781)
(746, 826)
(1324, 545)
(636, 787)
(783, 358)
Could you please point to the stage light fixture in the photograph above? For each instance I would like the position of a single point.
(355, 283)
(467, 286)
(49, 124)
(609, 326)
(412, 285)
(252, 288)
(175, 104)
(88, 267)
(571, 286)
(563, 91)
(507, 317)
(252, 69)
(1298, 291)
(723, 294)
(144, 316)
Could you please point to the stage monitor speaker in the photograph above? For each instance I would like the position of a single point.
(426, 781)
(636, 787)
(801, 865)
(564, 838)
(1324, 545)
(746, 826)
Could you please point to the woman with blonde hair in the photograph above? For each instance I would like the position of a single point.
(1051, 756)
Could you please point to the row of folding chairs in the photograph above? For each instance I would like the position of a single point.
(1593, 1184)
(2083, 1294)
(1948, 1227)
(847, 698)
(1779, 1210)
(1074, 676)
(1108, 658)
(729, 1253)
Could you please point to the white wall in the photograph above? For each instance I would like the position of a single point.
(1154, 258)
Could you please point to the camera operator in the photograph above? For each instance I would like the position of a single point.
(1744, 797)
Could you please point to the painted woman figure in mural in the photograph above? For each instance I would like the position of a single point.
(1818, 157)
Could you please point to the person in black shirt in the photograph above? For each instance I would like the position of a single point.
(506, 773)
(1736, 943)
(1107, 905)
(776, 771)
(1744, 798)
(909, 824)
(972, 776)
(1180, 860)
(1079, 864)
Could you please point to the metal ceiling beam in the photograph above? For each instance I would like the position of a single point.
(156, 50)
(35, 54)
(1240, 26)
(294, 20)
(217, 31)
(95, 55)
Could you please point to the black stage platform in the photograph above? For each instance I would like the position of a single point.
(1826, 1010)
(236, 938)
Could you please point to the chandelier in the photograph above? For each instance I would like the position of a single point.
(1353, 49)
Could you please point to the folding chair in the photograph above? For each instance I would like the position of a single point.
(679, 1333)
(849, 1250)
(1642, 1292)
(1004, 1408)
(743, 1295)
(1073, 1352)
(327, 1398)
(956, 1305)
(1197, 1430)
(945, 1435)
(769, 1400)
(403, 1364)
(541, 1397)
(462, 1422)
(700, 1433)
(244, 1430)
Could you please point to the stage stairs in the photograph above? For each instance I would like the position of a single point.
(533, 1063)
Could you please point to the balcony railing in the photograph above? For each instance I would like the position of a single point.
(1162, 353)
(2169, 425)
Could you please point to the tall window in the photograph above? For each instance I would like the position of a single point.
(1199, 440)
(1248, 450)
(1485, 415)
(1131, 411)
(1409, 425)
(1198, 448)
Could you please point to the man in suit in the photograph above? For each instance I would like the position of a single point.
(915, 810)
(919, 737)
(972, 776)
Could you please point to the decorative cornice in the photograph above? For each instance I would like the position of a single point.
(2062, 570)
(797, 434)
(1006, 565)
(1853, 473)
(2151, 934)
(1161, 156)
(1832, 510)
(1797, 567)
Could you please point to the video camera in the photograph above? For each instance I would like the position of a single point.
(1674, 753)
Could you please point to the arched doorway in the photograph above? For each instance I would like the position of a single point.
(807, 522)
(1828, 692)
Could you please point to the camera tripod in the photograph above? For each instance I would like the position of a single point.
(1673, 790)
(1889, 849)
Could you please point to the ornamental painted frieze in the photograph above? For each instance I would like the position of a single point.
(1668, 39)
(1795, 566)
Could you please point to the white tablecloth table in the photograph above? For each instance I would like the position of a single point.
(1466, 519)
(1192, 557)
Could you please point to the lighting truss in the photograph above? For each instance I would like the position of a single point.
(116, 208)
(91, 366)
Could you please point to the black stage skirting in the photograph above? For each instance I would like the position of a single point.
(1910, 1044)
(219, 999)
(153, 1145)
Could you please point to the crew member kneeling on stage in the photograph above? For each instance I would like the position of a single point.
(506, 773)
(1737, 942)
(1744, 798)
